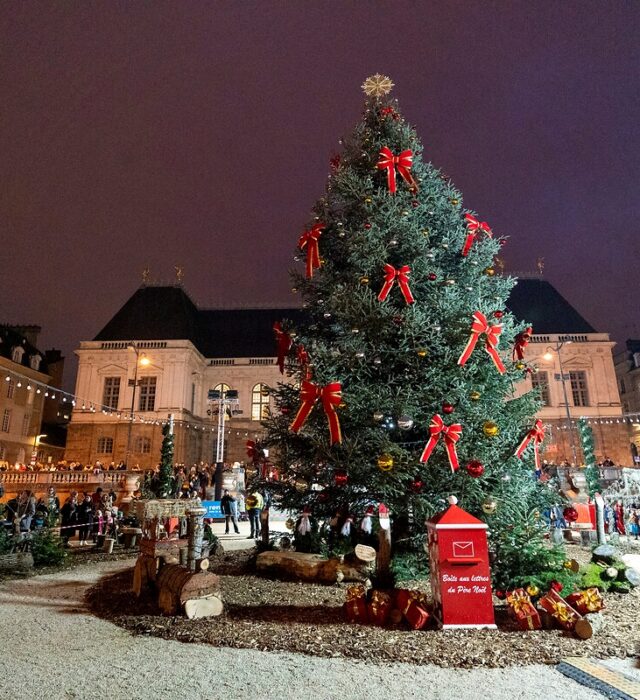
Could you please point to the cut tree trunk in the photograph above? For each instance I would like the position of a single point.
(383, 560)
(176, 585)
(589, 625)
(310, 567)
(211, 606)
(144, 573)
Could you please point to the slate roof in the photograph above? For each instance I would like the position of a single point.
(10, 338)
(168, 313)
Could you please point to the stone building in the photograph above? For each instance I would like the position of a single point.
(627, 363)
(161, 354)
(26, 374)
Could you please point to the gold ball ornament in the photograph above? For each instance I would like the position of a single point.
(490, 429)
(385, 462)
(572, 565)
(300, 485)
(455, 202)
(475, 396)
(364, 280)
(533, 590)
(368, 200)
(422, 352)
(290, 523)
(489, 506)
(520, 365)
(489, 271)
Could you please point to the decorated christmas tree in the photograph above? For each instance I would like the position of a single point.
(404, 374)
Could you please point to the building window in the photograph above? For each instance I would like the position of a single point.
(540, 382)
(16, 354)
(21, 454)
(111, 393)
(3, 452)
(147, 394)
(34, 362)
(193, 397)
(142, 445)
(11, 388)
(622, 387)
(105, 445)
(259, 402)
(579, 388)
(26, 422)
(6, 420)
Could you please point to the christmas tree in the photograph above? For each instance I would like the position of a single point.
(405, 372)
(164, 487)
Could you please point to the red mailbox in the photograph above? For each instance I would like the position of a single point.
(460, 573)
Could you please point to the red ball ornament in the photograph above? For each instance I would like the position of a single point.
(475, 468)
(570, 514)
(556, 586)
(432, 276)
(448, 408)
(498, 314)
(500, 595)
(415, 203)
(398, 320)
(367, 225)
(341, 477)
(285, 410)
(416, 485)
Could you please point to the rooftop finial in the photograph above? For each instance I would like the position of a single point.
(179, 273)
(146, 275)
(377, 85)
(540, 266)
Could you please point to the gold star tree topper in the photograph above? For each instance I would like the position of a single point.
(377, 85)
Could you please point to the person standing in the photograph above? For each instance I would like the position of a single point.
(69, 514)
(254, 504)
(85, 518)
(229, 507)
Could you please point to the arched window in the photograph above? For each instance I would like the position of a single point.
(17, 353)
(34, 361)
(20, 459)
(142, 445)
(259, 402)
(222, 388)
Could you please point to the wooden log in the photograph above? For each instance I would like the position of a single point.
(383, 560)
(195, 608)
(183, 553)
(589, 625)
(202, 564)
(310, 567)
(177, 584)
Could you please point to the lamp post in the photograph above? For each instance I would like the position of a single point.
(226, 400)
(140, 359)
(548, 356)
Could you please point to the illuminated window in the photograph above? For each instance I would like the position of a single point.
(222, 388)
(111, 393)
(540, 382)
(34, 361)
(105, 445)
(11, 388)
(579, 388)
(147, 394)
(259, 402)
(3, 452)
(17, 353)
(26, 422)
(6, 420)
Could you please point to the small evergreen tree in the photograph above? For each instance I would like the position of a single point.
(164, 488)
(591, 472)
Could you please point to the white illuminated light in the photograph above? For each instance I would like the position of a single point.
(19, 384)
(7, 378)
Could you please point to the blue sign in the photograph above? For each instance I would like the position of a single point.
(213, 509)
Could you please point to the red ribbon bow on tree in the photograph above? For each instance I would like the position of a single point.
(284, 342)
(481, 326)
(303, 360)
(330, 395)
(402, 162)
(309, 240)
(522, 340)
(402, 275)
(473, 229)
(451, 433)
(537, 435)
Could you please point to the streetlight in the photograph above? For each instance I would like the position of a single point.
(144, 361)
(549, 356)
(36, 442)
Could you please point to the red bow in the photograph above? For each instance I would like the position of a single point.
(537, 435)
(309, 240)
(402, 275)
(331, 396)
(473, 229)
(451, 433)
(283, 339)
(303, 360)
(402, 162)
(522, 340)
(492, 333)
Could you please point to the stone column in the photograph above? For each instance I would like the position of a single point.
(195, 535)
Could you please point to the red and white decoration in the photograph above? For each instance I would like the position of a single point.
(330, 395)
(401, 275)
(474, 228)
(460, 572)
(402, 162)
(535, 435)
(450, 433)
(309, 240)
(480, 326)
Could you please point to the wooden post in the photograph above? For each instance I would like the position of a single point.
(383, 560)
(195, 535)
(264, 526)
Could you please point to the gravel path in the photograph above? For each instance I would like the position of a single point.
(61, 651)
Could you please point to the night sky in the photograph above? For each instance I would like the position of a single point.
(199, 133)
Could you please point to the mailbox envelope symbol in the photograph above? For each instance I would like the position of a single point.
(463, 549)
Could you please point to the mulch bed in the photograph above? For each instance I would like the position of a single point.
(307, 618)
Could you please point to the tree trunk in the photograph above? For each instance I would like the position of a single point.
(589, 625)
(177, 585)
(211, 606)
(264, 526)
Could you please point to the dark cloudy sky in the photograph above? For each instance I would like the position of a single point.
(198, 133)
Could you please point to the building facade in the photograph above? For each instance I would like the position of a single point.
(160, 355)
(627, 363)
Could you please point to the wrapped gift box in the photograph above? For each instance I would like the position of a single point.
(586, 601)
(379, 607)
(413, 605)
(523, 610)
(355, 606)
(563, 614)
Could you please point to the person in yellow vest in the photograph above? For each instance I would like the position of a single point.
(254, 504)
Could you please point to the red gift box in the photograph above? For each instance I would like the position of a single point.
(355, 606)
(523, 610)
(559, 610)
(379, 607)
(413, 605)
(586, 601)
